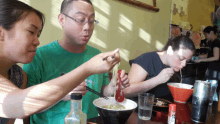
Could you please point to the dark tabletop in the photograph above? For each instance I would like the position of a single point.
(160, 115)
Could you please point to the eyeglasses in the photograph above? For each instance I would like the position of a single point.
(82, 22)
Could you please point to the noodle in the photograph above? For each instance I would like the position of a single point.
(115, 73)
(115, 107)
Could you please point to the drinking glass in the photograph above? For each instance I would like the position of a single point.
(213, 93)
(145, 105)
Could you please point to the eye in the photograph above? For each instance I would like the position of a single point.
(81, 20)
(181, 58)
(91, 21)
(31, 32)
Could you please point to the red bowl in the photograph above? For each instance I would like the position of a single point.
(180, 92)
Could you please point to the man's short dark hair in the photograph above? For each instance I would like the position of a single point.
(66, 5)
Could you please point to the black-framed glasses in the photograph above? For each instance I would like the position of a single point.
(82, 22)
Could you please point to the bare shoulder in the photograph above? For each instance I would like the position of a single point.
(24, 84)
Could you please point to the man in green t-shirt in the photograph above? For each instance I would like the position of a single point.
(77, 19)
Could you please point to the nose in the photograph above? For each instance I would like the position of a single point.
(36, 42)
(87, 26)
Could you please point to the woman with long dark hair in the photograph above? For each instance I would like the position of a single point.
(213, 52)
(152, 70)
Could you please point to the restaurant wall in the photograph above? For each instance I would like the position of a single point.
(198, 13)
(133, 30)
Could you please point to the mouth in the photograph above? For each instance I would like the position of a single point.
(85, 37)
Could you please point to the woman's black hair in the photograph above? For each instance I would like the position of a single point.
(208, 29)
(11, 11)
(180, 41)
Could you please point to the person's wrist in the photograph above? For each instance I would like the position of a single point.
(158, 80)
(86, 69)
(111, 88)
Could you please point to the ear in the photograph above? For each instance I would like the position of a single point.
(61, 19)
(2, 33)
(170, 50)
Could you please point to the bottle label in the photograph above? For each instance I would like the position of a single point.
(171, 118)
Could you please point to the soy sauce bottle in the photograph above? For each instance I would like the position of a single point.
(76, 116)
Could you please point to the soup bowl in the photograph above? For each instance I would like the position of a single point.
(113, 116)
(181, 92)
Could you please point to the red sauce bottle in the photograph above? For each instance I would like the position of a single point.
(119, 96)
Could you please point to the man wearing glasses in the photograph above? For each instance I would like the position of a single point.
(77, 19)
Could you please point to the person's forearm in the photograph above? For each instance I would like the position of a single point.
(210, 59)
(107, 90)
(141, 87)
(19, 103)
(203, 56)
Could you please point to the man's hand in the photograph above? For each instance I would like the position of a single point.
(79, 89)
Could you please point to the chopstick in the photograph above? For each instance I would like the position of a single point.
(107, 57)
(95, 92)
(91, 90)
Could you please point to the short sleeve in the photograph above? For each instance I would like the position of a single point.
(33, 71)
(216, 44)
(144, 60)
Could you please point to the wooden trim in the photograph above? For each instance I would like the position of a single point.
(142, 5)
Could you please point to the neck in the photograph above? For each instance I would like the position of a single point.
(5, 65)
(5, 62)
(163, 56)
(70, 47)
(76, 105)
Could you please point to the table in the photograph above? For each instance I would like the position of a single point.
(183, 116)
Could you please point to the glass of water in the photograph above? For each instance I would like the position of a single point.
(145, 105)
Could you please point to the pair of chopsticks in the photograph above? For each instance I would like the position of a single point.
(107, 57)
(95, 92)
(91, 90)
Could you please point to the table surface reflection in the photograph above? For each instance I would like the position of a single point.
(160, 116)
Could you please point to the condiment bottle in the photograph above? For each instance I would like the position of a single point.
(76, 116)
(119, 97)
(171, 114)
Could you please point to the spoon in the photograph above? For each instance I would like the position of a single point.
(119, 97)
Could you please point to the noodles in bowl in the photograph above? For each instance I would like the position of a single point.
(113, 112)
(111, 104)
(115, 107)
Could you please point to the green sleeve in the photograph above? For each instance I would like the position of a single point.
(33, 71)
(105, 79)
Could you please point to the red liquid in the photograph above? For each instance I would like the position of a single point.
(119, 97)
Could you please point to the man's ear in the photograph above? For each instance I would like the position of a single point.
(61, 19)
(2, 33)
